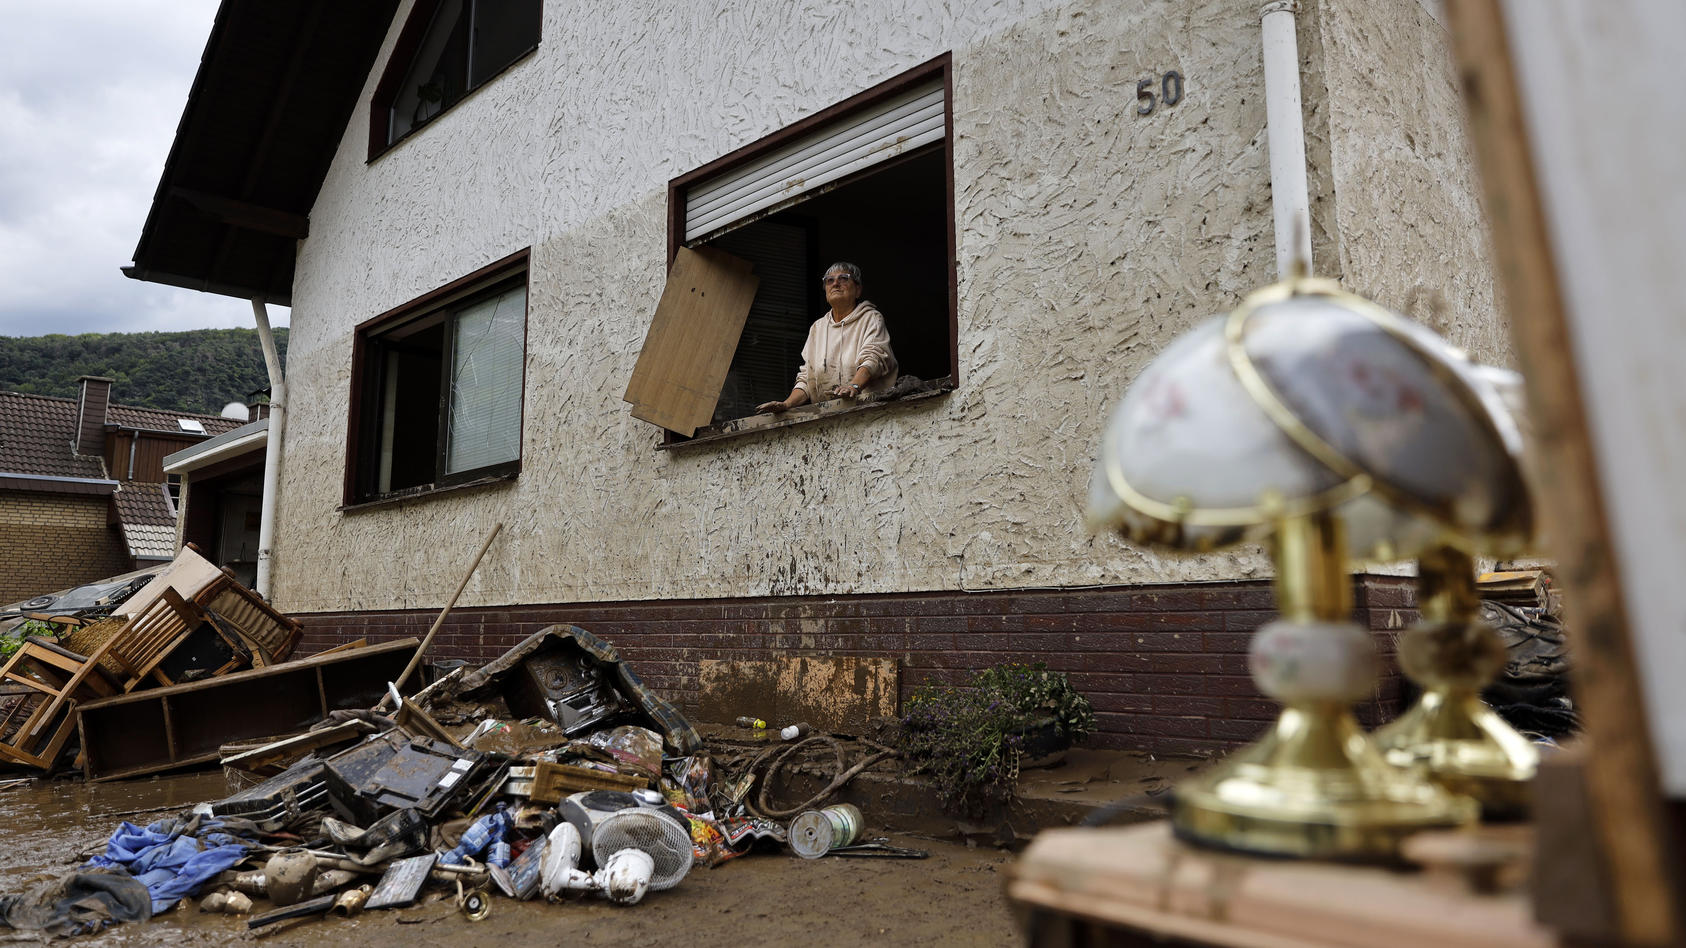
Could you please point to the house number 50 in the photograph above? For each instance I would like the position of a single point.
(1170, 92)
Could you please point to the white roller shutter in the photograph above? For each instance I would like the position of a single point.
(837, 150)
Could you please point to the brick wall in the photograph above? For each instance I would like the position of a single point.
(50, 542)
(1166, 666)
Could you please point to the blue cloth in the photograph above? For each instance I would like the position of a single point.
(170, 857)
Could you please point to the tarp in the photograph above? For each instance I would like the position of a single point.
(78, 903)
(172, 857)
(681, 738)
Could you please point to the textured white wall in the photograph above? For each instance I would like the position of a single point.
(1088, 238)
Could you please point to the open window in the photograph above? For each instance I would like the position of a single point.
(447, 49)
(867, 181)
(437, 388)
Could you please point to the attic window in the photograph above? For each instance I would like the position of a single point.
(191, 425)
(437, 388)
(867, 181)
(447, 49)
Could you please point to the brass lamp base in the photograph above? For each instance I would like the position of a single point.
(1463, 745)
(1314, 787)
(1450, 735)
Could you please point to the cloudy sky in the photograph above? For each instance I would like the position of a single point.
(90, 93)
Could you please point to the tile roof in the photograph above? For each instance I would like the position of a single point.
(150, 543)
(36, 432)
(143, 504)
(154, 419)
(148, 520)
(35, 436)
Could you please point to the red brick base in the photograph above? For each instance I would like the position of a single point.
(1166, 666)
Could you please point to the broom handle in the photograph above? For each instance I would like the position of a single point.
(421, 649)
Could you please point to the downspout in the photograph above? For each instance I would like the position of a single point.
(272, 446)
(1286, 128)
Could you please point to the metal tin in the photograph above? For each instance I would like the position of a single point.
(817, 832)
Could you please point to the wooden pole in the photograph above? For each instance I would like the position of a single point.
(421, 649)
(1622, 779)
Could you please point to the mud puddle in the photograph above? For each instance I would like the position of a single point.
(952, 898)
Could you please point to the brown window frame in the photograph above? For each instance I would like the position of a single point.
(398, 65)
(939, 66)
(498, 276)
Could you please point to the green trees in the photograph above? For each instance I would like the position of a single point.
(200, 370)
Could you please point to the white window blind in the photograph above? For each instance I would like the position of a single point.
(485, 399)
(858, 141)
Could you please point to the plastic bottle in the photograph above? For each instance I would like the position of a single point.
(756, 723)
(796, 731)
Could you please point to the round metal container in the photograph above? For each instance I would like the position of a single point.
(817, 832)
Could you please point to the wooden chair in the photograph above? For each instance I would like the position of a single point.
(39, 688)
(137, 648)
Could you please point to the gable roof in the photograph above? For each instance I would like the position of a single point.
(36, 432)
(147, 520)
(35, 436)
(277, 83)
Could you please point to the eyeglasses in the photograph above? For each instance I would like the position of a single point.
(837, 278)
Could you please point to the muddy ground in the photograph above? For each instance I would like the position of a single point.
(952, 898)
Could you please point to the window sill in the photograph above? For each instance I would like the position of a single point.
(805, 414)
(425, 493)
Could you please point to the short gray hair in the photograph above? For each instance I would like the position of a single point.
(846, 267)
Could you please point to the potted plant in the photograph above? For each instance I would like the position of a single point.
(971, 740)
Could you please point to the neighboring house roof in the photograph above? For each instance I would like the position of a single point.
(36, 432)
(149, 523)
(276, 85)
(250, 437)
(35, 436)
(153, 419)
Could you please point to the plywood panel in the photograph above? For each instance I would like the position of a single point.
(689, 346)
(833, 694)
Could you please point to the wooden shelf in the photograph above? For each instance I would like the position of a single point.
(1138, 885)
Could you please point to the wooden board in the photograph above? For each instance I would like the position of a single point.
(1138, 881)
(688, 349)
(167, 728)
(842, 693)
(1623, 780)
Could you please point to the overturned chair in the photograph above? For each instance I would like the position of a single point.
(192, 621)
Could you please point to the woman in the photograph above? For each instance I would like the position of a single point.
(847, 354)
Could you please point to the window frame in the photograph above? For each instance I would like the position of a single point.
(939, 66)
(397, 68)
(447, 300)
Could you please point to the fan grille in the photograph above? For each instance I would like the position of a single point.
(666, 841)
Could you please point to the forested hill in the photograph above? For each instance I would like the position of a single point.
(199, 370)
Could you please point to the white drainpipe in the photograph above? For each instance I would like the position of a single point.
(1286, 127)
(272, 447)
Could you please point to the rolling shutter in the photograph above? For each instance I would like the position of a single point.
(857, 141)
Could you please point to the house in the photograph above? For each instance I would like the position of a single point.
(498, 225)
(83, 492)
(221, 493)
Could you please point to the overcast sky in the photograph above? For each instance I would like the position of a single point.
(90, 93)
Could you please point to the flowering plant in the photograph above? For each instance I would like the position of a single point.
(970, 739)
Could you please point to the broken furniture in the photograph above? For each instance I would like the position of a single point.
(136, 649)
(266, 633)
(166, 728)
(41, 686)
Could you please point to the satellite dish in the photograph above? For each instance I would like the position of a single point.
(236, 411)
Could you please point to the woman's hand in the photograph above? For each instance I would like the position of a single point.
(847, 391)
(771, 408)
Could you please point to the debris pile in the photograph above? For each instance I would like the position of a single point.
(551, 773)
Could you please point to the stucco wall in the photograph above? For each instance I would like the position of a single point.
(1088, 237)
(1410, 230)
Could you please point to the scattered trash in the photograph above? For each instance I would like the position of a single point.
(817, 832)
(551, 771)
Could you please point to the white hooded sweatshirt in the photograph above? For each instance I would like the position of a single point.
(834, 351)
